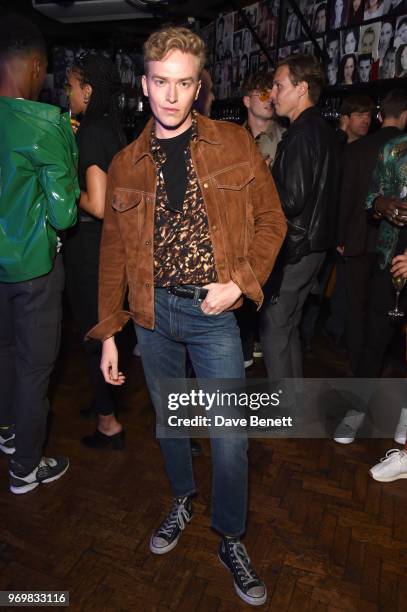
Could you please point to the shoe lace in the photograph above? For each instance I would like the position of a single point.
(242, 563)
(392, 453)
(178, 517)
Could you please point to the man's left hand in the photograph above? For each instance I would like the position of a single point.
(220, 297)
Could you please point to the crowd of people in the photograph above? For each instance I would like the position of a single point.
(223, 238)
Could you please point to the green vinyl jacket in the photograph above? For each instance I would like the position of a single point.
(38, 186)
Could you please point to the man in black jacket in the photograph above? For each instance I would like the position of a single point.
(357, 233)
(307, 173)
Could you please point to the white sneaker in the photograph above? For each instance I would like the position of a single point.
(48, 470)
(391, 467)
(347, 429)
(400, 435)
(248, 363)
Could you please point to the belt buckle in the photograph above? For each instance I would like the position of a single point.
(202, 293)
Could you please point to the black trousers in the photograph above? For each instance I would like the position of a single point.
(30, 331)
(359, 271)
(81, 254)
(380, 328)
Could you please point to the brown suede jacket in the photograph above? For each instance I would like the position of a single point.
(246, 222)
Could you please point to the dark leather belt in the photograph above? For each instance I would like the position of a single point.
(188, 291)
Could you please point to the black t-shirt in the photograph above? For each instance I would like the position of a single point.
(98, 142)
(175, 168)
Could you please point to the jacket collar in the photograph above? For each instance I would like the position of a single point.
(47, 112)
(305, 115)
(311, 111)
(207, 131)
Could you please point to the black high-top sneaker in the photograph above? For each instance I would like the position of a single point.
(233, 555)
(165, 538)
(7, 437)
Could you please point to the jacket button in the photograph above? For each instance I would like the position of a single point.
(148, 243)
(206, 185)
(214, 227)
(147, 285)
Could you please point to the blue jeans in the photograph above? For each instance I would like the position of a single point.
(214, 347)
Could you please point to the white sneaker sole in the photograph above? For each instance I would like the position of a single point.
(258, 601)
(25, 489)
(389, 478)
(32, 485)
(344, 440)
(7, 450)
(161, 550)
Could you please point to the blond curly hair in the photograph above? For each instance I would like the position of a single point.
(161, 42)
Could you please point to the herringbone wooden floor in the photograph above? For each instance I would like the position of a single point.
(323, 535)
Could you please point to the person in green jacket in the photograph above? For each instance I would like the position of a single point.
(38, 192)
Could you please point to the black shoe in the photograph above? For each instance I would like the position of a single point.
(249, 587)
(196, 448)
(165, 538)
(48, 470)
(7, 436)
(101, 440)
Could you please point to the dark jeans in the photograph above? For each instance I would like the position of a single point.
(30, 331)
(81, 254)
(214, 347)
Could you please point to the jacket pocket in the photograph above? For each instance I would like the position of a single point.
(125, 199)
(235, 178)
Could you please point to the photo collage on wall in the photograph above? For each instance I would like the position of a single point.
(293, 38)
(236, 53)
(367, 41)
(129, 65)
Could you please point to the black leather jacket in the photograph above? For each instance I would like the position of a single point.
(307, 171)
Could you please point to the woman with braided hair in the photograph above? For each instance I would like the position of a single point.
(93, 87)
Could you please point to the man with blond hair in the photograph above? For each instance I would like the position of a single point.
(192, 223)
